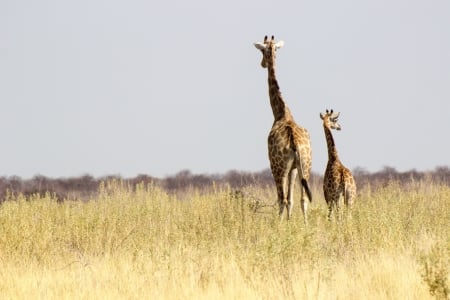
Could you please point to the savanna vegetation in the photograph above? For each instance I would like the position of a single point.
(172, 239)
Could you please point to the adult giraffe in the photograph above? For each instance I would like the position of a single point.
(289, 144)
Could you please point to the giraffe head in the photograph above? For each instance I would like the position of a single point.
(330, 119)
(268, 49)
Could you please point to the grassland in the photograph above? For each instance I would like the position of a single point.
(142, 243)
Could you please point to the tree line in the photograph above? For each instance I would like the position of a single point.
(86, 186)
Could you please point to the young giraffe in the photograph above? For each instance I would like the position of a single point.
(338, 180)
(289, 144)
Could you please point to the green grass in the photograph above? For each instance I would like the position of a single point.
(143, 243)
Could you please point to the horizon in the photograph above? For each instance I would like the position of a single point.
(356, 171)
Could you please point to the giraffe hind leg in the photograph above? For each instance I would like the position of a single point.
(346, 195)
(330, 210)
(349, 195)
(283, 188)
(329, 204)
(290, 192)
(282, 200)
(304, 205)
(340, 199)
(281, 204)
(281, 208)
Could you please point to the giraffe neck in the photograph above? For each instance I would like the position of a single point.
(279, 107)
(332, 151)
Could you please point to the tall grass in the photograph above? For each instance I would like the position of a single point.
(140, 242)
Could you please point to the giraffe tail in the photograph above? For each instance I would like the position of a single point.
(303, 180)
(306, 186)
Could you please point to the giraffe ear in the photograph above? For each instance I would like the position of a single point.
(321, 116)
(279, 44)
(260, 46)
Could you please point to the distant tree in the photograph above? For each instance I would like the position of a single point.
(360, 172)
(180, 180)
(442, 174)
(388, 170)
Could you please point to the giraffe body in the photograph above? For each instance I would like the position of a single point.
(288, 144)
(338, 181)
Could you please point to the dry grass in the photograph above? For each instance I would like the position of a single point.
(143, 243)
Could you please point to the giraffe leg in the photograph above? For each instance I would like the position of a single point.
(346, 196)
(290, 195)
(330, 210)
(284, 193)
(304, 205)
(334, 206)
(280, 201)
(347, 201)
(277, 176)
(338, 208)
(350, 193)
(329, 202)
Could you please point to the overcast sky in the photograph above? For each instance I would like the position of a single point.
(155, 87)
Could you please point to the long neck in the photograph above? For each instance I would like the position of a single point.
(279, 107)
(332, 151)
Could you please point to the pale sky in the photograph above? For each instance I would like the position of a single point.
(155, 87)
